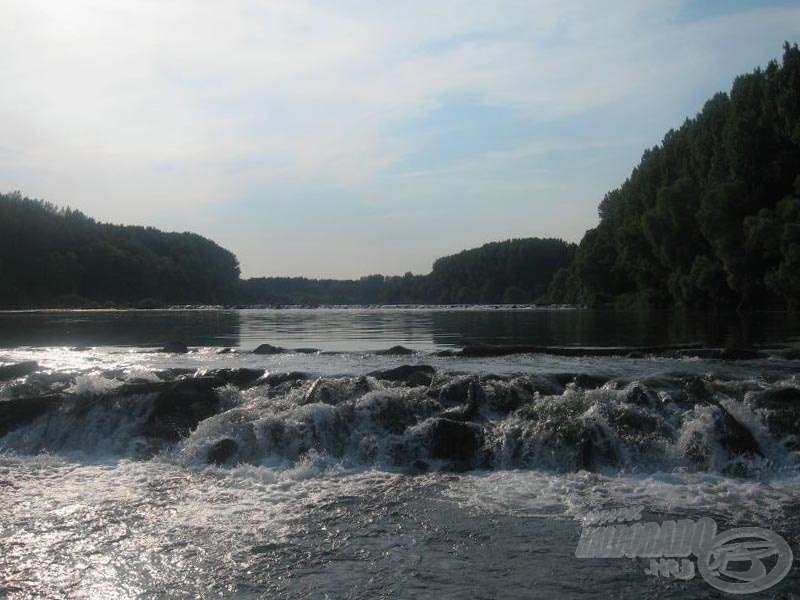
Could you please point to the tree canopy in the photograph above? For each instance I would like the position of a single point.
(711, 216)
(51, 257)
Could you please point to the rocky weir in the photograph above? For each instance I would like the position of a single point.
(412, 417)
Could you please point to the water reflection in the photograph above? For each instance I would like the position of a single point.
(368, 329)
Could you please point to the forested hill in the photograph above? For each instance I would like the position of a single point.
(53, 257)
(711, 217)
(59, 257)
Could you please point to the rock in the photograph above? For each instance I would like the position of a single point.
(735, 437)
(17, 412)
(456, 466)
(224, 351)
(179, 409)
(18, 370)
(482, 350)
(175, 348)
(306, 350)
(418, 467)
(171, 374)
(280, 378)
(740, 354)
(782, 407)
(595, 450)
(443, 353)
(221, 451)
(198, 384)
(268, 349)
(791, 354)
(696, 390)
(454, 392)
(395, 351)
(454, 440)
(241, 378)
(582, 380)
(411, 374)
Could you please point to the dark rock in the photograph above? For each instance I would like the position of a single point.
(172, 374)
(268, 349)
(735, 437)
(178, 410)
(696, 390)
(175, 348)
(18, 370)
(224, 351)
(782, 407)
(281, 378)
(457, 466)
(241, 378)
(443, 353)
(418, 467)
(453, 392)
(221, 451)
(306, 350)
(454, 440)
(199, 384)
(395, 351)
(595, 450)
(791, 354)
(704, 353)
(17, 412)
(641, 396)
(410, 374)
(740, 354)
(482, 350)
(582, 380)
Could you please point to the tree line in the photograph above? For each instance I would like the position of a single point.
(55, 257)
(711, 216)
(51, 257)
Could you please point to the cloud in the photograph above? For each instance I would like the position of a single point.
(173, 112)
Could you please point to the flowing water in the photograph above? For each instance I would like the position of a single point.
(327, 473)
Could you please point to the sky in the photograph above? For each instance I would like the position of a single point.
(345, 138)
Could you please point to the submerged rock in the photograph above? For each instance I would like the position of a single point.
(17, 412)
(281, 378)
(740, 354)
(175, 348)
(241, 377)
(581, 380)
(221, 451)
(782, 411)
(412, 375)
(306, 350)
(178, 411)
(18, 370)
(595, 449)
(268, 349)
(395, 351)
(455, 440)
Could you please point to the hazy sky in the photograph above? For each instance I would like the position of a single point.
(346, 138)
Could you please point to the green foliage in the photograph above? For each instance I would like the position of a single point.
(514, 271)
(707, 218)
(60, 257)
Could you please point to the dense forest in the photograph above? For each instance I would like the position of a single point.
(513, 271)
(709, 218)
(53, 257)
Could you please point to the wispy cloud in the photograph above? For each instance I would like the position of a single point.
(195, 114)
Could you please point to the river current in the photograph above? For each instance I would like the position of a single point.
(345, 471)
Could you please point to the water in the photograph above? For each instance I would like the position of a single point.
(342, 484)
